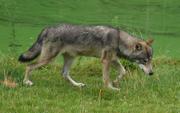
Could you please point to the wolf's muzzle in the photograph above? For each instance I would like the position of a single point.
(146, 68)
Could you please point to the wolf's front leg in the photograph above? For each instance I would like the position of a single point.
(106, 61)
(106, 79)
(121, 72)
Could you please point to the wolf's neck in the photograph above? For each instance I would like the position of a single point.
(126, 44)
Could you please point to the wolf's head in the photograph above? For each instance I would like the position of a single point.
(142, 54)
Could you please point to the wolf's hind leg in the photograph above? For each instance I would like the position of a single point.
(45, 57)
(29, 69)
(68, 60)
(121, 72)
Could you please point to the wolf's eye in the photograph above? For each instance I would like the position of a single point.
(138, 47)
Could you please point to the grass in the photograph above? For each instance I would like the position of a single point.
(21, 22)
(51, 93)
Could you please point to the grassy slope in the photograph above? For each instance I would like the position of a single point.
(158, 19)
(158, 94)
(51, 94)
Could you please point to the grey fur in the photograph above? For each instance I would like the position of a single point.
(70, 40)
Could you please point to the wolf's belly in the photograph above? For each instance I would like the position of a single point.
(82, 51)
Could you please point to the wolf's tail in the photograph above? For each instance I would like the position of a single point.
(35, 50)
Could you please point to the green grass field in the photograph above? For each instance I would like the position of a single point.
(21, 22)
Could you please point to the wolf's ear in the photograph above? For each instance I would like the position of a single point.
(149, 42)
(138, 47)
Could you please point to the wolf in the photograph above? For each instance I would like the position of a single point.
(107, 43)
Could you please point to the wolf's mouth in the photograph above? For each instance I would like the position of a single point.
(147, 70)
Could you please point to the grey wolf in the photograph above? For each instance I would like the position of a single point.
(107, 43)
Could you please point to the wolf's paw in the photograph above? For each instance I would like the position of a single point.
(28, 82)
(80, 85)
(115, 83)
(113, 88)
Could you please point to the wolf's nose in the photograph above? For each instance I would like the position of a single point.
(151, 73)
